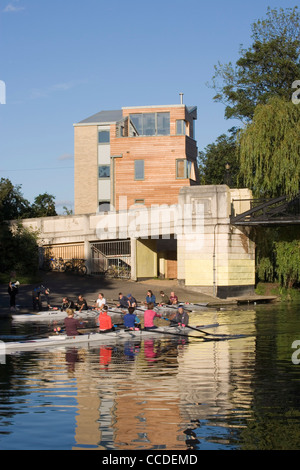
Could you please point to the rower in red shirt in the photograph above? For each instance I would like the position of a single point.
(105, 323)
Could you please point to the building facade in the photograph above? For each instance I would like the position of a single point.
(134, 156)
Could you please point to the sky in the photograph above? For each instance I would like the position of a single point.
(65, 60)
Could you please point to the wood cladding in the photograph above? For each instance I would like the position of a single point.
(159, 153)
(160, 185)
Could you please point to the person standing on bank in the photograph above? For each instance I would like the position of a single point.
(13, 291)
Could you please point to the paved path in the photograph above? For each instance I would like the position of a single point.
(62, 284)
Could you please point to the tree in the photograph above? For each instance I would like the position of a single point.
(44, 206)
(266, 69)
(215, 156)
(12, 203)
(269, 149)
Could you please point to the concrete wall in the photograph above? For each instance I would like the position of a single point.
(219, 259)
(212, 256)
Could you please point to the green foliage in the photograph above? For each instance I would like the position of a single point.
(44, 206)
(278, 255)
(12, 203)
(213, 159)
(18, 250)
(288, 261)
(266, 69)
(269, 149)
(18, 246)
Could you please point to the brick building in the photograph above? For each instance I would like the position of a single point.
(143, 155)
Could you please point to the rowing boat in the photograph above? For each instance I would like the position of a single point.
(90, 314)
(93, 338)
(53, 315)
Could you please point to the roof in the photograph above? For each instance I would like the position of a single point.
(107, 117)
(103, 117)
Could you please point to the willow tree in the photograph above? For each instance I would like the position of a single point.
(269, 149)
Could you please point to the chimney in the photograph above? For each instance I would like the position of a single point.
(181, 98)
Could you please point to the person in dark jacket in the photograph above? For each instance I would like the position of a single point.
(13, 291)
(123, 301)
(66, 303)
(71, 323)
(181, 318)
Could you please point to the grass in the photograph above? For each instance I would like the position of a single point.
(273, 288)
(22, 278)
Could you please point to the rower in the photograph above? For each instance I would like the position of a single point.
(149, 316)
(101, 301)
(71, 323)
(181, 318)
(105, 323)
(131, 320)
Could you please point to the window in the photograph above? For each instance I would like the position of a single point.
(151, 123)
(180, 127)
(184, 169)
(139, 202)
(104, 206)
(139, 170)
(104, 171)
(103, 137)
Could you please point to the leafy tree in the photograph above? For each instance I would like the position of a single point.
(213, 159)
(44, 206)
(269, 149)
(12, 203)
(266, 69)
(18, 250)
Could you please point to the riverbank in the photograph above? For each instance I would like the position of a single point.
(64, 284)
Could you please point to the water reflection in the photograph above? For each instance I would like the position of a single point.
(159, 393)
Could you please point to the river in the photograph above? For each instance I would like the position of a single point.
(236, 391)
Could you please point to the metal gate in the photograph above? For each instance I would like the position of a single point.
(112, 258)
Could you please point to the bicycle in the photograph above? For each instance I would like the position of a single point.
(54, 264)
(117, 272)
(76, 266)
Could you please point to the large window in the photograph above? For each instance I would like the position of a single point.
(151, 123)
(139, 170)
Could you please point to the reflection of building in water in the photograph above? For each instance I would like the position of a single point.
(147, 398)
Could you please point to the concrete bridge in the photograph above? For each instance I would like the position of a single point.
(192, 241)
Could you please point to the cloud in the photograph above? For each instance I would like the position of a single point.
(45, 92)
(13, 8)
(66, 156)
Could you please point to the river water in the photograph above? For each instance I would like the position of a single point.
(236, 391)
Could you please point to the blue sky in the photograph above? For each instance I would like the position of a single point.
(63, 61)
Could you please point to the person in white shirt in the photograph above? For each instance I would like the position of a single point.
(101, 301)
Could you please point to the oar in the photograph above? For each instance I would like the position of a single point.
(190, 327)
(174, 334)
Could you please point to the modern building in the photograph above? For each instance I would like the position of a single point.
(138, 155)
